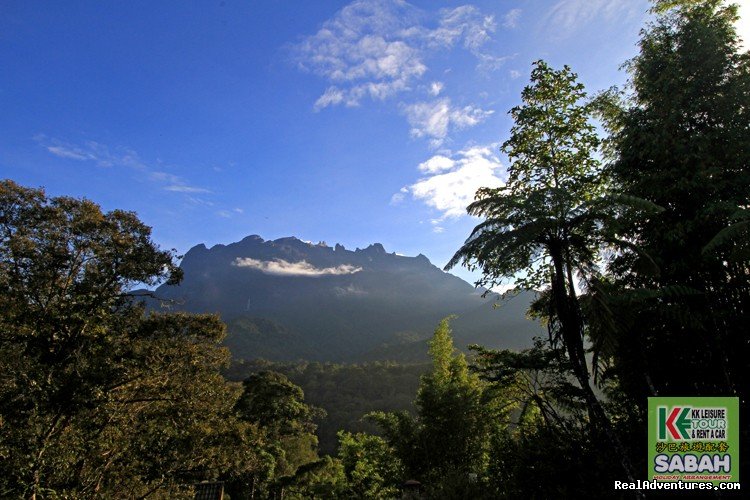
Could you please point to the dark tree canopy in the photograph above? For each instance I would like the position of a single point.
(96, 397)
(682, 141)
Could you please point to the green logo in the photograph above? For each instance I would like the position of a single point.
(693, 439)
(678, 423)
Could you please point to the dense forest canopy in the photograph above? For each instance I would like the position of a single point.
(635, 241)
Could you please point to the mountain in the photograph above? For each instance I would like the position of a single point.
(289, 299)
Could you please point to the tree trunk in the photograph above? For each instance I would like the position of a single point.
(571, 324)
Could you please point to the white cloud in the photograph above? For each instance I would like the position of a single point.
(434, 119)
(302, 268)
(331, 97)
(567, 16)
(377, 48)
(511, 18)
(450, 190)
(436, 88)
(399, 197)
(515, 74)
(365, 50)
(463, 24)
(66, 152)
(436, 164)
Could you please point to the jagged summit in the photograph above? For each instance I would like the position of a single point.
(293, 243)
(374, 248)
(329, 303)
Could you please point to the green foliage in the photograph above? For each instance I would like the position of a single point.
(271, 401)
(550, 462)
(371, 467)
(548, 226)
(681, 141)
(446, 443)
(535, 385)
(97, 398)
(552, 197)
(345, 392)
(640, 269)
(321, 479)
(275, 408)
(735, 237)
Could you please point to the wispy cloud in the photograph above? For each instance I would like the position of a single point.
(466, 25)
(185, 189)
(568, 16)
(105, 156)
(436, 227)
(510, 20)
(228, 214)
(453, 180)
(378, 48)
(65, 152)
(434, 119)
(397, 198)
(302, 268)
(350, 291)
(90, 151)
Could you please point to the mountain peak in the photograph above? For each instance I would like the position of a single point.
(252, 238)
(335, 304)
(375, 248)
(200, 247)
(423, 258)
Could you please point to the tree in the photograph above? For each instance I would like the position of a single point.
(445, 445)
(98, 398)
(546, 226)
(547, 422)
(372, 470)
(277, 408)
(682, 141)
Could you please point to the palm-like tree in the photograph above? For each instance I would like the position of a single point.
(548, 225)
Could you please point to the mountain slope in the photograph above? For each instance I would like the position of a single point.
(288, 299)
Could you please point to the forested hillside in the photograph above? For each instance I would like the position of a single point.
(347, 393)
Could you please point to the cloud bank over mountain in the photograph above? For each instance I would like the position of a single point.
(280, 267)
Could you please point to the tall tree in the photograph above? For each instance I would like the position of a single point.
(277, 407)
(446, 444)
(683, 142)
(545, 227)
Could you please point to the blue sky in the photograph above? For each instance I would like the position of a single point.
(347, 122)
